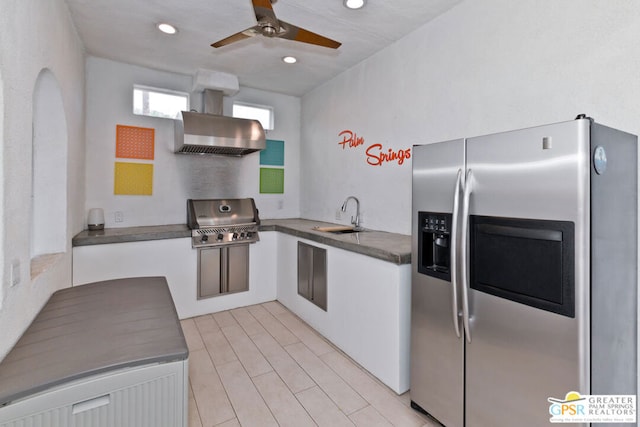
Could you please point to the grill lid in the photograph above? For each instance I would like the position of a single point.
(221, 212)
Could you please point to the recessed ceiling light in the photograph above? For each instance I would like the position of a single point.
(354, 4)
(167, 28)
(290, 59)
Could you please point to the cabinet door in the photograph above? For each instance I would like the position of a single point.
(236, 261)
(209, 272)
(305, 259)
(530, 201)
(319, 288)
(312, 274)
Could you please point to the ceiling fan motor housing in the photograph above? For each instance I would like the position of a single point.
(268, 28)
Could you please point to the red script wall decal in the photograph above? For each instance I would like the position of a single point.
(350, 138)
(376, 154)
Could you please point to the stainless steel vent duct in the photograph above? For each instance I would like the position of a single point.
(212, 133)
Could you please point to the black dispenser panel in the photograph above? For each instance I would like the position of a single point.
(434, 244)
(529, 261)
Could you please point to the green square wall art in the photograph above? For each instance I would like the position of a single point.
(271, 181)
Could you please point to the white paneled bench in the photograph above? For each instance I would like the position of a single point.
(104, 354)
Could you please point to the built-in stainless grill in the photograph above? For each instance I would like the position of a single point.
(221, 231)
(218, 222)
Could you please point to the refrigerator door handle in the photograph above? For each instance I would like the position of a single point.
(454, 253)
(468, 189)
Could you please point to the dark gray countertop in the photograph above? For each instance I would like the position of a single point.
(391, 247)
(130, 234)
(91, 329)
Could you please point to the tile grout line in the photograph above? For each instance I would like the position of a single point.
(275, 371)
(295, 395)
(215, 368)
(305, 331)
(320, 386)
(193, 395)
(280, 322)
(244, 368)
(333, 348)
(336, 349)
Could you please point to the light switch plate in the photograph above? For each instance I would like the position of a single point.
(15, 272)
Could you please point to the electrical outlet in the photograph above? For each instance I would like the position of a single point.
(118, 216)
(15, 272)
(338, 214)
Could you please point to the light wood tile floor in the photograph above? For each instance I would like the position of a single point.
(263, 366)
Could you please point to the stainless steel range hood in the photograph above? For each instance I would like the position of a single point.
(212, 133)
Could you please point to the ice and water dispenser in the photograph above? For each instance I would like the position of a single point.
(434, 244)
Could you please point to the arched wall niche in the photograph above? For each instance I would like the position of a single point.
(2, 270)
(49, 168)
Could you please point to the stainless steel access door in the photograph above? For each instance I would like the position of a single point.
(223, 270)
(519, 355)
(437, 350)
(237, 268)
(210, 268)
(312, 274)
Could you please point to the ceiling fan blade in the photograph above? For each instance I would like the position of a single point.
(249, 32)
(291, 32)
(262, 9)
(270, 26)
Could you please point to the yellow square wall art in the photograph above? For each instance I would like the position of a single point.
(133, 179)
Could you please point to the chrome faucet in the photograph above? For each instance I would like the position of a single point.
(354, 220)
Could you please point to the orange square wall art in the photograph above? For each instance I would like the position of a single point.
(134, 142)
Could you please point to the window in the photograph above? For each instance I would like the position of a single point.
(149, 101)
(261, 113)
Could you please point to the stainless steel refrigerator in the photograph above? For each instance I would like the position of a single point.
(524, 265)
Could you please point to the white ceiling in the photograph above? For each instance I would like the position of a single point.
(125, 31)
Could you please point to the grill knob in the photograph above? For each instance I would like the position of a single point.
(242, 235)
(220, 236)
(249, 234)
(204, 238)
(235, 236)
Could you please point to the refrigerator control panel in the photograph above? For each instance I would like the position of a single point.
(436, 223)
(434, 244)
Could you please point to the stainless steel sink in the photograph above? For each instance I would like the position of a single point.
(352, 230)
(338, 229)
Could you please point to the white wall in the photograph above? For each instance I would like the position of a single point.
(177, 177)
(35, 35)
(485, 66)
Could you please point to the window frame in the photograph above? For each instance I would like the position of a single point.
(268, 108)
(161, 91)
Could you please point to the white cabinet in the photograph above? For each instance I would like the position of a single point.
(368, 308)
(367, 299)
(178, 262)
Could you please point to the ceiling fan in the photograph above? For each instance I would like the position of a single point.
(270, 26)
